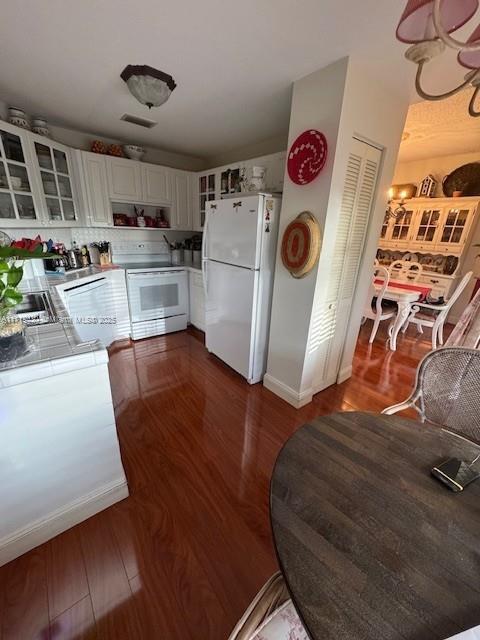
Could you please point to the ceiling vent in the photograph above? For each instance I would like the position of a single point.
(142, 122)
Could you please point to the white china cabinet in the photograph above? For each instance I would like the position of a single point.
(431, 225)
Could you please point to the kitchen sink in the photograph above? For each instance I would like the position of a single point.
(35, 308)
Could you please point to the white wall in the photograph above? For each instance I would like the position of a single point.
(376, 114)
(262, 148)
(341, 101)
(416, 170)
(83, 140)
(316, 103)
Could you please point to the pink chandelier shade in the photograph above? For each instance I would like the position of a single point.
(416, 21)
(471, 59)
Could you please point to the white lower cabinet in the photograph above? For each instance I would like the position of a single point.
(197, 300)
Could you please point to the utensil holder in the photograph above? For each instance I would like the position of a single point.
(177, 256)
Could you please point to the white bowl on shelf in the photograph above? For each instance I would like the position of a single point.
(133, 152)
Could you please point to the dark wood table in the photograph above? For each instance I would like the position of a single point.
(370, 544)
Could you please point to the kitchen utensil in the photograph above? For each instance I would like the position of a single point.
(187, 257)
(177, 256)
(197, 258)
(170, 245)
(133, 152)
(73, 259)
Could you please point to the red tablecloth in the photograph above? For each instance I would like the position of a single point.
(395, 284)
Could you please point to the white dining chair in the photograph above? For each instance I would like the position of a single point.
(405, 270)
(373, 308)
(425, 314)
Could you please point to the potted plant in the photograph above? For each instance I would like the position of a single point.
(12, 330)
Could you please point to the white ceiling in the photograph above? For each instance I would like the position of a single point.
(440, 129)
(234, 62)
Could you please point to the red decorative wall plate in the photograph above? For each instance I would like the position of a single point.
(307, 156)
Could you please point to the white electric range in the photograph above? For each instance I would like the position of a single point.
(157, 290)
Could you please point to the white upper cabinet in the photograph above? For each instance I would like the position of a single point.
(97, 203)
(182, 203)
(20, 200)
(58, 188)
(156, 184)
(124, 179)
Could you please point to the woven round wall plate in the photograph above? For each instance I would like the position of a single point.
(307, 156)
(301, 245)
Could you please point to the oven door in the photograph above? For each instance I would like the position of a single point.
(157, 294)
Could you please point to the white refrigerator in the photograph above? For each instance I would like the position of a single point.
(239, 248)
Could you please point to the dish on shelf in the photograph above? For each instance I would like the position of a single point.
(120, 219)
(133, 152)
(98, 147)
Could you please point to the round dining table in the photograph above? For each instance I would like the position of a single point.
(370, 544)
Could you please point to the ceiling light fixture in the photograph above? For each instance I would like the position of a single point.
(427, 25)
(399, 211)
(149, 86)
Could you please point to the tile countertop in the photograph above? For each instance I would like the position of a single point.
(53, 348)
(56, 348)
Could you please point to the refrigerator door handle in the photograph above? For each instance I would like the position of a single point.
(204, 257)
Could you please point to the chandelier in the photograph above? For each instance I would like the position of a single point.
(399, 211)
(149, 86)
(427, 25)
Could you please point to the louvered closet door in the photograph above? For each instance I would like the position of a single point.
(353, 220)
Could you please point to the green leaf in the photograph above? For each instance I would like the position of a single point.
(14, 276)
(4, 266)
(11, 297)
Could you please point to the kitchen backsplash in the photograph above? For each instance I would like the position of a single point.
(87, 235)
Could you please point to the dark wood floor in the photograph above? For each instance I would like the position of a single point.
(182, 556)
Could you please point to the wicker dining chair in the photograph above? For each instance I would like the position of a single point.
(270, 616)
(447, 391)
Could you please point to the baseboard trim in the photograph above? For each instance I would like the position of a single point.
(285, 392)
(44, 529)
(344, 374)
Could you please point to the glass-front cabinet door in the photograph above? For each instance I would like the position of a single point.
(206, 193)
(426, 229)
(400, 229)
(18, 206)
(56, 180)
(454, 228)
